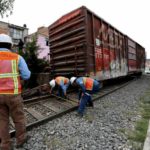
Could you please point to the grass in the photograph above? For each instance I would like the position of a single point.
(140, 131)
(138, 135)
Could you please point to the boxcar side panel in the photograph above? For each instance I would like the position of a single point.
(109, 49)
(99, 65)
(132, 57)
(106, 50)
(68, 44)
(90, 44)
(140, 58)
(123, 58)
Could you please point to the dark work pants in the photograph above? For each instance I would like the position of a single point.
(85, 99)
(11, 105)
(60, 92)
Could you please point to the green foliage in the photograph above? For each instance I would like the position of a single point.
(140, 131)
(36, 65)
(138, 135)
(6, 6)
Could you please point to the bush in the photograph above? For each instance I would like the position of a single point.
(36, 65)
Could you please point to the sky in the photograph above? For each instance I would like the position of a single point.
(131, 17)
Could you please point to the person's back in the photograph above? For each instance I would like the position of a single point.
(88, 84)
(60, 80)
(10, 79)
(12, 66)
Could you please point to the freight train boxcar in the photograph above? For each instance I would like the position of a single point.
(83, 44)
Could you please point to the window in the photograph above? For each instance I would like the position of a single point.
(16, 34)
(47, 42)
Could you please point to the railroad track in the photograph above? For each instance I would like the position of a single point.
(41, 109)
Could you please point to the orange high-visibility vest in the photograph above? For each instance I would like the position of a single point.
(9, 73)
(88, 82)
(61, 79)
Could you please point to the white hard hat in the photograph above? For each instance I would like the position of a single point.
(72, 79)
(52, 83)
(5, 39)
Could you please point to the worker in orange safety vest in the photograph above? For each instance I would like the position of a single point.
(87, 86)
(13, 68)
(62, 83)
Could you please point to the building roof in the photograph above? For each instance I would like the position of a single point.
(40, 31)
(15, 26)
(43, 30)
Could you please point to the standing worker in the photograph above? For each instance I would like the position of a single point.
(62, 83)
(12, 66)
(20, 46)
(87, 86)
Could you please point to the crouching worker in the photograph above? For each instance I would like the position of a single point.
(87, 86)
(12, 66)
(62, 83)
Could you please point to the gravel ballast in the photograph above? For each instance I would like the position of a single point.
(99, 129)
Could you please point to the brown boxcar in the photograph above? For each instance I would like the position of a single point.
(83, 44)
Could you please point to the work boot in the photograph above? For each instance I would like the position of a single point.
(10, 147)
(20, 144)
(58, 98)
(79, 114)
(90, 104)
(66, 97)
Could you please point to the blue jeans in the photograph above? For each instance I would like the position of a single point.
(86, 98)
(62, 90)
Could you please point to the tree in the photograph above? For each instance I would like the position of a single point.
(6, 6)
(36, 65)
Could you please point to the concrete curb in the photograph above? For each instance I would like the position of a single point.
(147, 140)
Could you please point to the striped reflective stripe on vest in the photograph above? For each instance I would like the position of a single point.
(15, 77)
(8, 75)
(88, 82)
